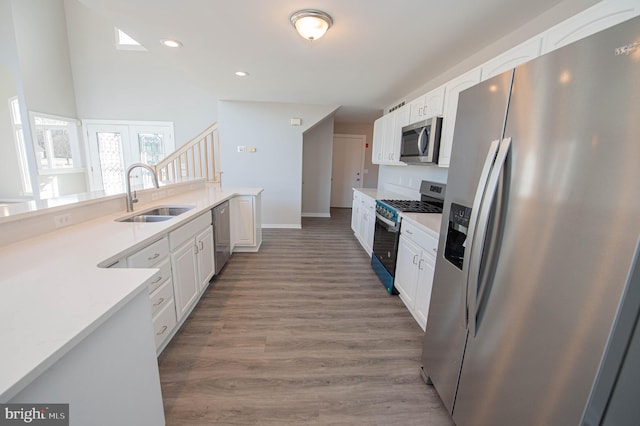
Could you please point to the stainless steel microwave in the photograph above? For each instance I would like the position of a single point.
(421, 142)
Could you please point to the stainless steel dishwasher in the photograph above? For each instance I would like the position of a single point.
(221, 235)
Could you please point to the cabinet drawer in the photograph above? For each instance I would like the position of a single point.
(161, 276)
(428, 243)
(368, 203)
(150, 255)
(162, 296)
(189, 230)
(164, 322)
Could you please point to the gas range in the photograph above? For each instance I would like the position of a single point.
(387, 228)
(432, 200)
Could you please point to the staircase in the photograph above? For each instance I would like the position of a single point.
(198, 158)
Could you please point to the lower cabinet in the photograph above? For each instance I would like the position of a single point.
(160, 287)
(191, 261)
(363, 219)
(415, 267)
(246, 223)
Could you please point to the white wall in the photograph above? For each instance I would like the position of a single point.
(370, 177)
(276, 165)
(116, 84)
(41, 38)
(316, 169)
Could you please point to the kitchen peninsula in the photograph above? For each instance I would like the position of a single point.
(77, 332)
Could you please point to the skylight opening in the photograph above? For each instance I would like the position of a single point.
(125, 42)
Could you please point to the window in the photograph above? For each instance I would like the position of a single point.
(18, 137)
(125, 42)
(55, 142)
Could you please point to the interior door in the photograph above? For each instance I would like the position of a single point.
(346, 169)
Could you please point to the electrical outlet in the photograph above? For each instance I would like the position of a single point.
(241, 148)
(62, 220)
(251, 149)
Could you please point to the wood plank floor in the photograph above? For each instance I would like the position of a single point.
(300, 333)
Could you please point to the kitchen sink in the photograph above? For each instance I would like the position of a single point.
(156, 214)
(144, 218)
(166, 211)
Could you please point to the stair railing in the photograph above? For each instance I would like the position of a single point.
(198, 158)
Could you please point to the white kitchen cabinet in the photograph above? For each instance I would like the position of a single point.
(191, 261)
(427, 106)
(363, 219)
(520, 54)
(378, 141)
(355, 212)
(600, 16)
(452, 91)
(160, 288)
(415, 267)
(246, 225)
(204, 243)
(387, 135)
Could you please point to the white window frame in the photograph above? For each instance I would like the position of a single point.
(74, 140)
(127, 46)
(21, 149)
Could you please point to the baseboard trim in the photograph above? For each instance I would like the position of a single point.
(280, 226)
(316, 214)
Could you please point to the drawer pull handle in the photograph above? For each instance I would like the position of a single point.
(415, 259)
(159, 302)
(435, 250)
(155, 256)
(164, 328)
(409, 232)
(420, 264)
(201, 245)
(157, 280)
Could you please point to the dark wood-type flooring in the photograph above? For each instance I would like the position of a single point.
(301, 333)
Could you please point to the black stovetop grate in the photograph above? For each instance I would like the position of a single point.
(413, 206)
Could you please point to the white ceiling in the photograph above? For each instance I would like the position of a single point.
(376, 51)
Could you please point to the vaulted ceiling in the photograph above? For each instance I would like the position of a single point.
(376, 51)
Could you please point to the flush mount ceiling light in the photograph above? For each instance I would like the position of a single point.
(171, 43)
(241, 73)
(310, 23)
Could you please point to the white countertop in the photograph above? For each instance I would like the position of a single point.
(54, 294)
(382, 194)
(430, 222)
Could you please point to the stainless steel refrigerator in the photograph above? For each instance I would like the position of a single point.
(540, 229)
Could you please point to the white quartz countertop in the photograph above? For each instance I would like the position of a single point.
(54, 294)
(382, 194)
(430, 222)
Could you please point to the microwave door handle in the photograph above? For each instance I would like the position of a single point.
(422, 141)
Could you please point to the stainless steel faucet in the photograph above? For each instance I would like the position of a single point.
(133, 199)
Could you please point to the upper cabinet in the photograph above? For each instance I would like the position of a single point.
(597, 18)
(387, 136)
(520, 54)
(427, 106)
(452, 90)
(387, 131)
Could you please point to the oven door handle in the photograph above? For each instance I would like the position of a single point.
(385, 220)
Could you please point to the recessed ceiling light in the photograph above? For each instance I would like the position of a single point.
(242, 73)
(171, 43)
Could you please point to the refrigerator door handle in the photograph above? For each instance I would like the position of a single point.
(477, 202)
(480, 234)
